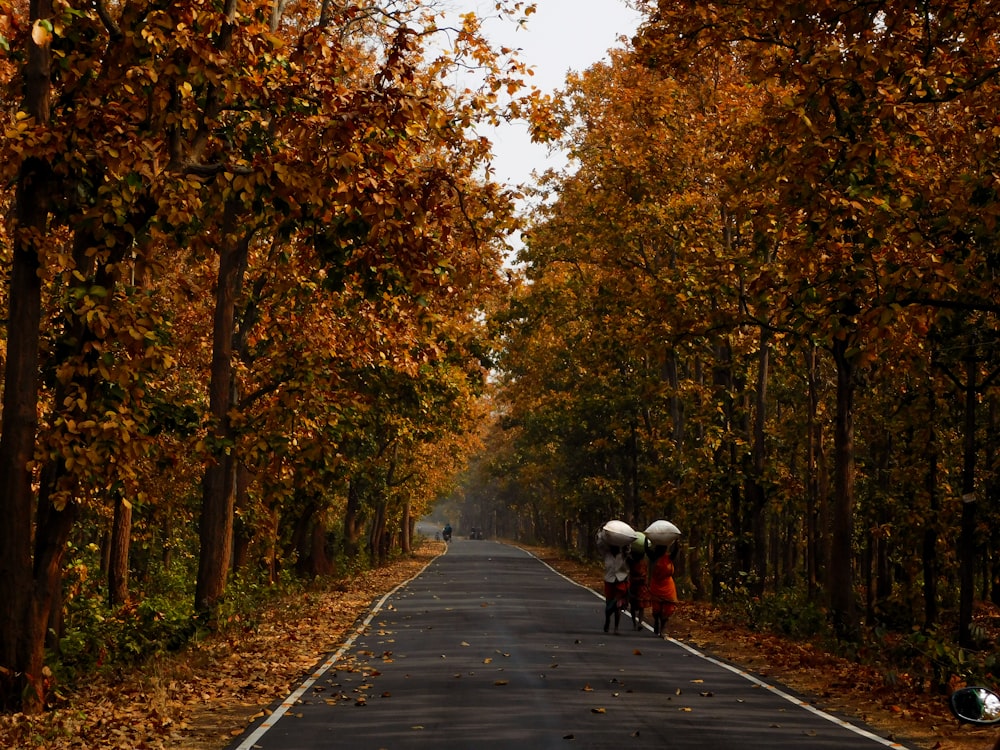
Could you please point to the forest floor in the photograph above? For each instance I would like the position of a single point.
(207, 694)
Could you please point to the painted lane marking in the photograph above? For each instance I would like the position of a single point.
(250, 742)
(746, 675)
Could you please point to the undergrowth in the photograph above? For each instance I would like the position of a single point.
(926, 660)
(97, 637)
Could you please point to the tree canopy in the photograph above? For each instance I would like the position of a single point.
(761, 302)
(250, 249)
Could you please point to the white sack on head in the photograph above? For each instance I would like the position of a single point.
(662, 532)
(619, 533)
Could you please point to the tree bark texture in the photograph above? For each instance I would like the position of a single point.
(121, 537)
(841, 582)
(20, 642)
(219, 481)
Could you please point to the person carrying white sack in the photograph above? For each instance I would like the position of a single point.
(615, 578)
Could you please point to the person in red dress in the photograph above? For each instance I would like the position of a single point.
(662, 589)
(638, 583)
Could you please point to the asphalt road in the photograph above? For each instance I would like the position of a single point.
(489, 647)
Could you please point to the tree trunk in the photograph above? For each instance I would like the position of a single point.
(406, 528)
(756, 496)
(930, 561)
(320, 563)
(633, 498)
(993, 498)
(270, 560)
(121, 537)
(375, 537)
(20, 678)
(352, 519)
(812, 475)
(51, 534)
(841, 583)
(671, 375)
(301, 538)
(219, 481)
(243, 533)
(967, 537)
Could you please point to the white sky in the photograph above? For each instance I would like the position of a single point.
(563, 35)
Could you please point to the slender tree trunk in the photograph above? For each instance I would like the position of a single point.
(867, 556)
(219, 481)
(967, 537)
(301, 537)
(243, 533)
(121, 537)
(672, 376)
(270, 560)
(406, 527)
(841, 583)
(352, 519)
(930, 560)
(320, 563)
(756, 496)
(21, 684)
(375, 541)
(993, 497)
(17, 442)
(633, 508)
(695, 565)
(812, 474)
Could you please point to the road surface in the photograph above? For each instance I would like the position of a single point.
(489, 647)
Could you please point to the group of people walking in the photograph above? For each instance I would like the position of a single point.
(640, 576)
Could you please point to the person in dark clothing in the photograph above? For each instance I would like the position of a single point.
(615, 579)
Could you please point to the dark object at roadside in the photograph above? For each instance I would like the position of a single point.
(975, 705)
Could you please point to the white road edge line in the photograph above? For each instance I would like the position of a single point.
(746, 675)
(250, 742)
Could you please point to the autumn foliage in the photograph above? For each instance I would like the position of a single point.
(761, 302)
(248, 252)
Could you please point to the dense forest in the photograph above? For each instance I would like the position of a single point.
(262, 312)
(250, 252)
(762, 303)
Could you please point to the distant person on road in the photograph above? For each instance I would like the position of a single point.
(662, 589)
(638, 582)
(615, 579)
(447, 532)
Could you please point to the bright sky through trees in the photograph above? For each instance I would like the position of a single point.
(563, 35)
